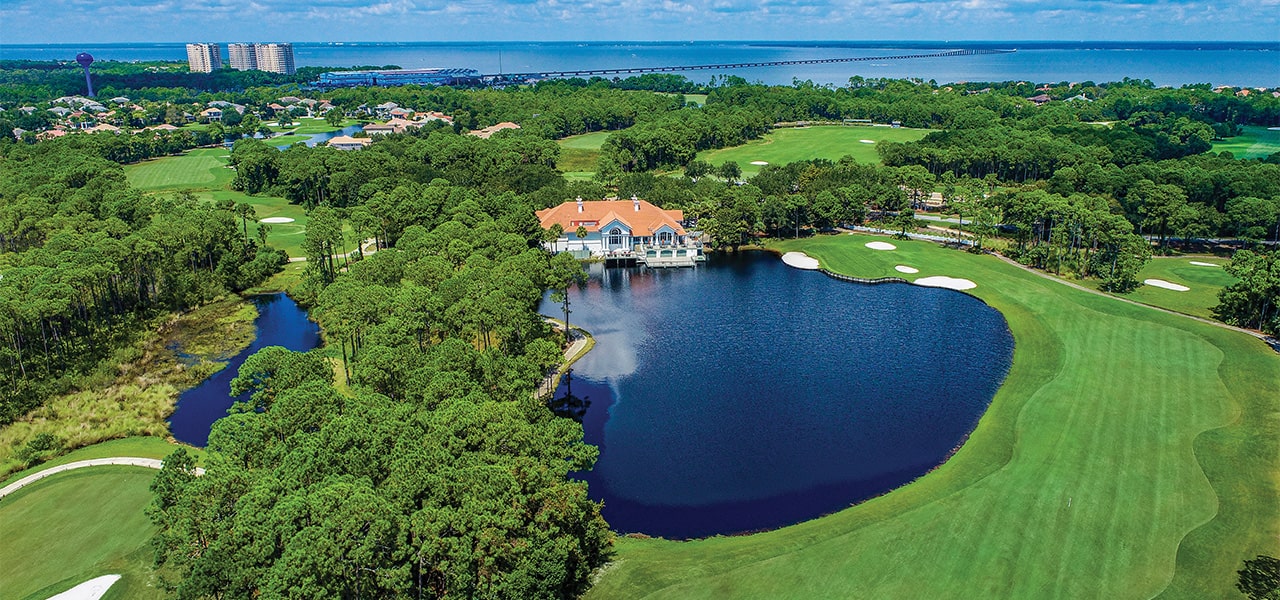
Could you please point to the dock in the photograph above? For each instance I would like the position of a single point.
(657, 257)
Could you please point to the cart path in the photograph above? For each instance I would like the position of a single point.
(131, 461)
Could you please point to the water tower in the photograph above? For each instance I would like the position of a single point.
(85, 59)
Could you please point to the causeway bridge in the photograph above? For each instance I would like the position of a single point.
(500, 78)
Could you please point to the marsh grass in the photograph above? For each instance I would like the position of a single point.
(133, 392)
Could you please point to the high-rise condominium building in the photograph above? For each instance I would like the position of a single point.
(276, 58)
(204, 58)
(243, 57)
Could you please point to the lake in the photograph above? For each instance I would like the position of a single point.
(745, 395)
(280, 322)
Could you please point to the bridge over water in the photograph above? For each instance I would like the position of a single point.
(519, 77)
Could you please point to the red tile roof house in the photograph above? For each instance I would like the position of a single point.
(615, 227)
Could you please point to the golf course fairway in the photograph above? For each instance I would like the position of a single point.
(1130, 453)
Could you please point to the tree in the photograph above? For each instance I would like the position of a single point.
(698, 169)
(729, 171)
(1260, 578)
(565, 272)
(581, 233)
(333, 117)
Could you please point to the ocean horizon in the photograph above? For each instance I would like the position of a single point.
(1173, 63)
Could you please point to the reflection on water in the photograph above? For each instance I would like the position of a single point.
(744, 394)
(280, 322)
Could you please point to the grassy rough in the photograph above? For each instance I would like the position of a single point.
(75, 526)
(140, 396)
(1130, 453)
(831, 142)
(579, 153)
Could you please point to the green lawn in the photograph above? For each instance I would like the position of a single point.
(74, 526)
(1205, 283)
(203, 172)
(1254, 142)
(1130, 453)
(201, 168)
(784, 146)
(578, 154)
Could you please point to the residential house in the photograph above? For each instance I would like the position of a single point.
(1040, 99)
(212, 114)
(345, 142)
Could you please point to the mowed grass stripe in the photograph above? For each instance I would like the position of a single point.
(1105, 405)
(201, 168)
(75, 526)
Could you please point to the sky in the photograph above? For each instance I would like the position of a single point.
(105, 21)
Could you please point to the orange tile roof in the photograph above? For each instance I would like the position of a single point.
(600, 213)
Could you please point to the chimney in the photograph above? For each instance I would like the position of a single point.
(579, 203)
(635, 202)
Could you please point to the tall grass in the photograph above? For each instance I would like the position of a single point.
(135, 391)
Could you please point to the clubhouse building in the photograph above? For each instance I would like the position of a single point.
(622, 230)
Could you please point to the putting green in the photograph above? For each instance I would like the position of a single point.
(1254, 141)
(1205, 283)
(831, 142)
(1130, 453)
(77, 525)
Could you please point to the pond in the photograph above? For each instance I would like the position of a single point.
(280, 322)
(746, 395)
(317, 138)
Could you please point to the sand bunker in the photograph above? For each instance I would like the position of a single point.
(759, 163)
(90, 590)
(942, 281)
(276, 220)
(1160, 283)
(867, 141)
(881, 246)
(1203, 264)
(800, 260)
(906, 269)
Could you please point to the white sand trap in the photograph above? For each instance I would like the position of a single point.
(90, 590)
(881, 246)
(906, 269)
(800, 260)
(276, 220)
(759, 163)
(1160, 283)
(942, 281)
(1203, 264)
(867, 141)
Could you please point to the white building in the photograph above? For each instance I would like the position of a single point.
(275, 58)
(204, 58)
(344, 142)
(242, 56)
(621, 228)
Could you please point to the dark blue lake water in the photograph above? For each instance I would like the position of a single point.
(1165, 63)
(746, 395)
(281, 322)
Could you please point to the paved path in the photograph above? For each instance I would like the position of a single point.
(370, 246)
(131, 461)
(579, 342)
